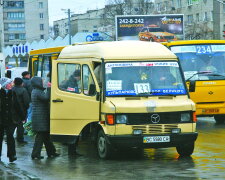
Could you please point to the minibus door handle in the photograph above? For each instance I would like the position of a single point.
(57, 100)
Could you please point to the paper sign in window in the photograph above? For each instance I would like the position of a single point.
(114, 85)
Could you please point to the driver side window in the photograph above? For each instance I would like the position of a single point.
(89, 87)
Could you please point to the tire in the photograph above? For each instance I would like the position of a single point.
(103, 147)
(220, 119)
(185, 149)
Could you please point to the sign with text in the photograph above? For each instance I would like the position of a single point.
(158, 28)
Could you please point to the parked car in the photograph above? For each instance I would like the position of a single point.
(15, 72)
(155, 33)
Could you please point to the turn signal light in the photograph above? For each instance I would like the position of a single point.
(110, 119)
(194, 117)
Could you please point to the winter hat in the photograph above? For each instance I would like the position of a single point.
(4, 81)
(18, 81)
(76, 73)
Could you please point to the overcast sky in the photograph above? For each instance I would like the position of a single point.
(76, 6)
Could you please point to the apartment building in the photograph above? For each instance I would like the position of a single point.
(203, 19)
(102, 20)
(87, 22)
(24, 21)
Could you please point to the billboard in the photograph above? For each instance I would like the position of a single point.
(158, 28)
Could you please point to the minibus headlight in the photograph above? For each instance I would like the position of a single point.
(121, 119)
(185, 117)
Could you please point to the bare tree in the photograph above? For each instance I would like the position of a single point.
(126, 7)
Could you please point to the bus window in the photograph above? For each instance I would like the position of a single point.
(46, 71)
(35, 70)
(40, 60)
(69, 77)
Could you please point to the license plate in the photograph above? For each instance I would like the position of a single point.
(156, 139)
(211, 110)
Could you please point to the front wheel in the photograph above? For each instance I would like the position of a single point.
(103, 147)
(220, 119)
(185, 149)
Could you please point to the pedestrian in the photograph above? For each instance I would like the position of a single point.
(22, 100)
(41, 119)
(7, 125)
(26, 81)
(28, 87)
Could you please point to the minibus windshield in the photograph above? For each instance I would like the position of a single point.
(144, 79)
(202, 62)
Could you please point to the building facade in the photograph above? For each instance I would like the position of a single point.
(24, 21)
(87, 22)
(203, 19)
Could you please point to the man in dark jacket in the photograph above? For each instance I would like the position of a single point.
(6, 120)
(28, 87)
(73, 83)
(22, 100)
(26, 81)
(41, 119)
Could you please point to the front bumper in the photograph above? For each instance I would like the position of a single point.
(128, 141)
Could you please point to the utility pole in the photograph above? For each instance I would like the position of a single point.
(69, 24)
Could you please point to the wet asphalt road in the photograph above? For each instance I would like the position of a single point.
(207, 161)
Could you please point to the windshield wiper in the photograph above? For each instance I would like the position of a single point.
(201, 72)
(144, 94)
(174, 95)
(124, 95)
(214, 74)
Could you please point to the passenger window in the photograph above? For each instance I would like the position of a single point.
(46, 71)
(35, 65)
(40, 58)
(69, 76)
(89, 87)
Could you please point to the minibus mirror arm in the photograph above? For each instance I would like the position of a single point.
(192, 85)
(98, 95)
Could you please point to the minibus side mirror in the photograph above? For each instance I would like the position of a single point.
(192, 85)
(92, 90)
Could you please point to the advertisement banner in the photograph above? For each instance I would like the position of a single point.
(156, 28)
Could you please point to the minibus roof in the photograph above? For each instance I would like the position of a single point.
(46, 51)
(119, 50)
(190, 42)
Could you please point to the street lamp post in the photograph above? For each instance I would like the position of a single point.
(69, 23)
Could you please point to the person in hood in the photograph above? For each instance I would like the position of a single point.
(21, 103)
(7, 123)
(41, 119)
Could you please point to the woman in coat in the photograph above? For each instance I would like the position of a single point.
(6, 119)
(41, 119)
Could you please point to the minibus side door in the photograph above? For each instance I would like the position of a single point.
(72, 109)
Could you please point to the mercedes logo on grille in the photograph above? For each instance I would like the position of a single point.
(210, 92)
(155, 118)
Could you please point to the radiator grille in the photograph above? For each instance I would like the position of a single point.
(155, 128)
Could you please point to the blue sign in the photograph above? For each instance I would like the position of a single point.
(20, 49)
(94, 37)
(203, 49)
(155, 92)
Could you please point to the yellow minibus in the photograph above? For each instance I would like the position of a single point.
(125, 94)
(203, 64)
